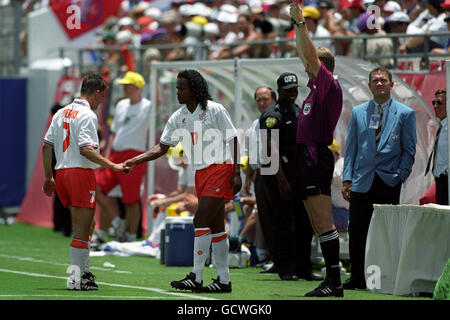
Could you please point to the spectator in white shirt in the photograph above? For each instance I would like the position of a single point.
(397, 23)
(431, 20)
(128, 138)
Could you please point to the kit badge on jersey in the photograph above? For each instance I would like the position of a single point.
(270, 122)
(306, 108)
(374, 121)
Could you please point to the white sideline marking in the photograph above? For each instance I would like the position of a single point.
(40, 275)
(29, 259)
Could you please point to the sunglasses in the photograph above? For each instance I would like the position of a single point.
(434, 102)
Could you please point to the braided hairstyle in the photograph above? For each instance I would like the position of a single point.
(198, 86)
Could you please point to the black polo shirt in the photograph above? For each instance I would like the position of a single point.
(283, 118)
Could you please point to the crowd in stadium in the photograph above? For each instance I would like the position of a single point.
(206, 29)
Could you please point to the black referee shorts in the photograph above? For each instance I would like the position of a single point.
(315, 179)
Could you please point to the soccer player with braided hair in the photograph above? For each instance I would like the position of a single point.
(196, 81)
(204, 129)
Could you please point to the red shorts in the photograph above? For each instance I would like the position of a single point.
(215, 181)
(76, 187)
(130, 183)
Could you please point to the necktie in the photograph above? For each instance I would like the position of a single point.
(380, 123)
(434, 149)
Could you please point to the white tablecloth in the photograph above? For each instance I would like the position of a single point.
(410, 245)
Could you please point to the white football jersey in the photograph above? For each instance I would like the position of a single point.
(204, 134)
(73, 127)
(130, 125)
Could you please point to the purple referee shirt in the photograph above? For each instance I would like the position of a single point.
(320, 112)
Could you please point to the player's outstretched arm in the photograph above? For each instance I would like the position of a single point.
(91, 154)
(154, 153)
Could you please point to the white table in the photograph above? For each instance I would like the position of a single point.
(408, 246)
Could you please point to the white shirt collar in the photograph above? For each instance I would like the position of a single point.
(82, 102)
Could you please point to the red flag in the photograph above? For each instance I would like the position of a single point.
(80, 16)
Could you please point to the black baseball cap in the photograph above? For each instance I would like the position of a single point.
(287, 80)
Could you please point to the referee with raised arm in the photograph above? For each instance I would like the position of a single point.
(292, 229)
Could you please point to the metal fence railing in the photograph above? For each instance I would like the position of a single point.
(282, 50)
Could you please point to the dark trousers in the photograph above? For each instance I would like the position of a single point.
(442, 189)
(361, 208)
(264, 203)
(291, 230)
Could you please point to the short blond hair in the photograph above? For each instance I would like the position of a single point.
(327, 57)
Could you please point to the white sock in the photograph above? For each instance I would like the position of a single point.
(76, 258)
(87, 262)
(202, 242)
(220, 250)
(79, 255)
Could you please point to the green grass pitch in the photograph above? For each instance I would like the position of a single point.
(33, 263)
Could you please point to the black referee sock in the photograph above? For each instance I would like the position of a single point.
(329, 243)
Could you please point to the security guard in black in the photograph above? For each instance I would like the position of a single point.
(293, 231)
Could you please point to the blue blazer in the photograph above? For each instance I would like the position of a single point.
(394, 157)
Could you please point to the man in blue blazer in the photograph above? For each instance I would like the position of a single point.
(379, 155)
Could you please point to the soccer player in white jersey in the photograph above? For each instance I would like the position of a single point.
(73, 136)
(206, 133)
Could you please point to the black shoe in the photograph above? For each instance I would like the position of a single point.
(271, 269)
(188, 283)
(352, 284)
(311, 276)
(88, 282)
(289, 277)
(326, 289)
(217, 287)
